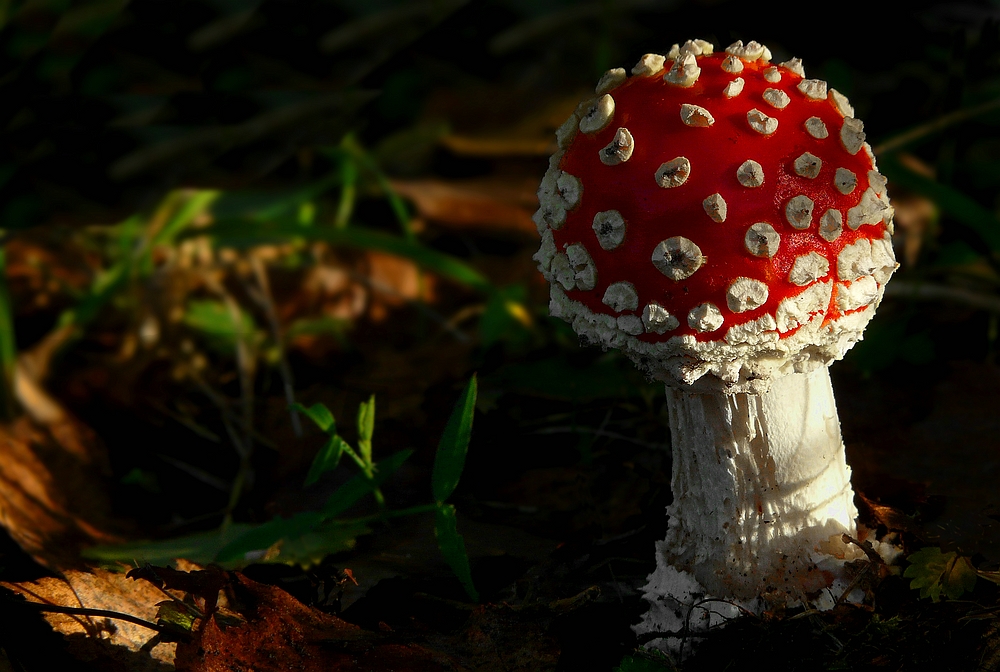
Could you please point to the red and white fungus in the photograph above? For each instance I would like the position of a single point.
(697, 175)
(721, 220)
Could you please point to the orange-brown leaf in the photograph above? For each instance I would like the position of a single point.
(99, 638)
(494, 204)
(53, 491)
(281, 633)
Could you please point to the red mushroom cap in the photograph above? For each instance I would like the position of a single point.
(716, 214)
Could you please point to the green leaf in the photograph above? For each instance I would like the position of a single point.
(326, 459)
(320, 415)
(348, 191)
(201, 547)
(366, 427)
(263, 206)
(365, 160)
(104, 287)
(263, 537)
(301, 542)
(933, 572)
(450, 457)
(361, 485)
(329, 538)
(452, 547)
(183, 216)
(177, 615)
(320, 326)
(216, 322)
(179, 213)
(505, 316)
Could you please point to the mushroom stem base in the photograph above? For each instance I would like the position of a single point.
(762, 495)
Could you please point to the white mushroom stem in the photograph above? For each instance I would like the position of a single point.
(762, 495)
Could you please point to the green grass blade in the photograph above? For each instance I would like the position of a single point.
(450, 457)
(215, 321)
(366, 428)
(111, 281)
(320, 415)
(201, 547)
(452, 547)
(105, 286)
(361, 485)
(129, 232)
(506, 317)
(358, 153)
(348, 192)
(184, 216)
(335, 327)
(327, 459)
(257, 206)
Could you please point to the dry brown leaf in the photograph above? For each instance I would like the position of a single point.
(494, 122)
(277, 633)
(44, 265)
(891, 517)
(498, 146)
(495, 204)
(53, 468)
(281, 633)
(394, 281)
(115, 643)
(914, 219)
(352, 285)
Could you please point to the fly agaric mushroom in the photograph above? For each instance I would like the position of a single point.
(721, 221)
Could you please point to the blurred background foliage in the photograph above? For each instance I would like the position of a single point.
(215, 208)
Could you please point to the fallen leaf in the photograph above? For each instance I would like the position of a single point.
(53, 469)
(205, 583)
(281, 633)
(392, 282)
(494, 204)
(933, 573)
(890, 516)
(92, 638)
(350, 285)
(498, 146)
(914, 218)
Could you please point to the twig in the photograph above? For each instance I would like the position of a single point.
(99, 613)
(245, 364)
(932, 292)
(195, 472)
(220, 402)
(938, 124)
(265, 300)
(242, 473)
